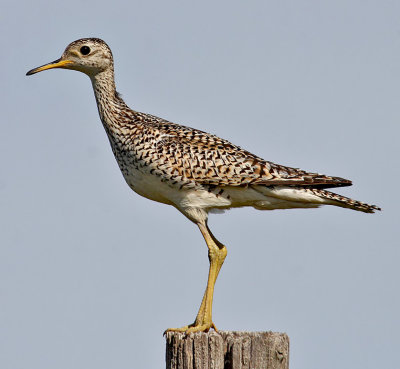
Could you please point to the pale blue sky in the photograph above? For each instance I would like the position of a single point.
(91, 273)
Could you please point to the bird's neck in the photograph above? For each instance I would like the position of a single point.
(112, 109)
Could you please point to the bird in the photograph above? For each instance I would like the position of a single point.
(196, 172)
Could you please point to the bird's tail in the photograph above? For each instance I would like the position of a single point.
(287, 197)
(343, 201)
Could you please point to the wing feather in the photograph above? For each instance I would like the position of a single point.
(210, 160)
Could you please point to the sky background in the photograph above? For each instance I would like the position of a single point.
(91, 274)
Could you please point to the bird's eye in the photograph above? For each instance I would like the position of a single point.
(85, 50)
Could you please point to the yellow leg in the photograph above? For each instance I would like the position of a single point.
(216, 255)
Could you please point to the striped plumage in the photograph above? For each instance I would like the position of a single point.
(194, 171)
(188, 159)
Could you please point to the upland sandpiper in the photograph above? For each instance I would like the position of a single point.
(194, 171)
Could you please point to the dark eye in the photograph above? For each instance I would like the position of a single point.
(85, 50)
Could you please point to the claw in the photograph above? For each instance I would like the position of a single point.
(182, 329)
(192, 328)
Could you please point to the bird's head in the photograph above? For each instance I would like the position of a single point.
(88, 55)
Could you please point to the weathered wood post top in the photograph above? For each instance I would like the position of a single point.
(227, 350)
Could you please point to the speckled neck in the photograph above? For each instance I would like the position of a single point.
(105, 93)
(110, 106)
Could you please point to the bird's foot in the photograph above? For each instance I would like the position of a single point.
(193, 328)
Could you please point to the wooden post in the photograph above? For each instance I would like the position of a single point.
(227, 350)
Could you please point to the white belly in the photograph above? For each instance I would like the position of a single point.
(151, 187)
(148, 186)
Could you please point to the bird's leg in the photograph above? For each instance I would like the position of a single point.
(216, 255)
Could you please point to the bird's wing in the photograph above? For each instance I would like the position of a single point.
(209, 160)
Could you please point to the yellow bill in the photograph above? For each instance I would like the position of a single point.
(55, 64)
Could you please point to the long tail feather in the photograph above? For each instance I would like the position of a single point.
(344, 201)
